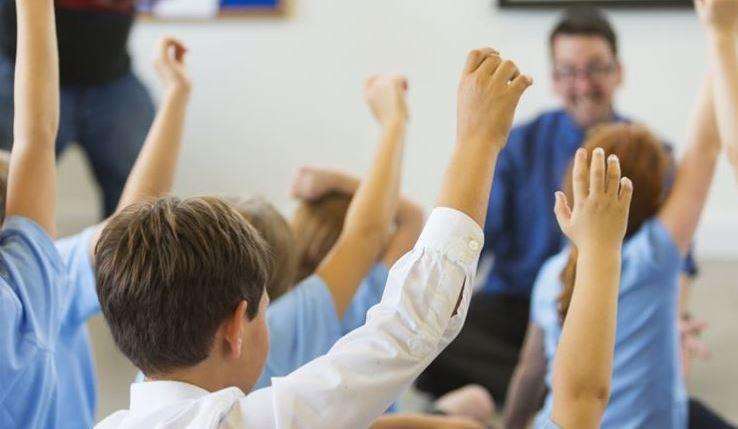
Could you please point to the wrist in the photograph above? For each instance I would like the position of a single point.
(721, 35)
(180, 90)
(600, 249)
(395, 123)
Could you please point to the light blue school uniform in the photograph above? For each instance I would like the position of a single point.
(77, 387)
(647, 388)
(33, 299)
(303, 323)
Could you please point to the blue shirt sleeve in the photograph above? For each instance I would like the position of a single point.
(77, 261)
(367, 295)
(32, 298)
(303, 325)
(649, 254)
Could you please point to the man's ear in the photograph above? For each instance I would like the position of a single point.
(233, 330)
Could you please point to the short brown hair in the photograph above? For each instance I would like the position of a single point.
(584, 21)
(317, 226)
(645, 161)
(277, 234)
(170, 271)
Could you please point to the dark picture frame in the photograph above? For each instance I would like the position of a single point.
(551, 4)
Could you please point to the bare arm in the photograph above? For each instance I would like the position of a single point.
(720, 18)
(682, 209)
(153, 173)
(583, 362)
(32, 177)
(312, 183)
(373, 207)
(489, 92)
(528, 385)
(423, 421)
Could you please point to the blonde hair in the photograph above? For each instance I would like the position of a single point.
(317, 226)
(276, 232)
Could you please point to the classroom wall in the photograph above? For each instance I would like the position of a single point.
(273, 93)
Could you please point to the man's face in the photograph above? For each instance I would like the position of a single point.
(586, 74)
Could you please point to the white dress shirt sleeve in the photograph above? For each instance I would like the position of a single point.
(370, 367)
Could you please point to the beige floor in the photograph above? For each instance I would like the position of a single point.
(714, 381)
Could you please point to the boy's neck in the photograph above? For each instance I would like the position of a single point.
(206, 375)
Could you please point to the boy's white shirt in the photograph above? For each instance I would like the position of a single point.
(364, 372)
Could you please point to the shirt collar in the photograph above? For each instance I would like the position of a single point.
(148, 396)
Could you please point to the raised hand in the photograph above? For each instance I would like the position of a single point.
(488, 94)
(385, 95)
(601, 203)
(720, 16)
(311, 183)
(170, 64)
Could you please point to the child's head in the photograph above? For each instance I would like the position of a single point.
(4, 169)
(278, 236)
(317, 226)
(644, 160)
(181, 284)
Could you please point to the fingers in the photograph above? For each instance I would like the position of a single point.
(580, 177)
(562, 211)
(597, 172)
(613, 175)
(506, 72)
(521, 83)
(476, 57)
(171, 48)
(489, 65)
(626, 191)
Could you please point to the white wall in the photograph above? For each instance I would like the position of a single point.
(271, 94)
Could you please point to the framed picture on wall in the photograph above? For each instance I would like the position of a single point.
(601, 3)
(209, 9)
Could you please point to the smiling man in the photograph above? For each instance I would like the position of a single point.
(521, 228)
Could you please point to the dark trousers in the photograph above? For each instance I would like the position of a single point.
(702, 417)
(485, 352)
(109, 122)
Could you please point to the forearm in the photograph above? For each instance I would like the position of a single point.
(526, 389)
(36, 75)
(32, 177)
(153, 174)
(583, 362)
(468, 178)
(374, 204)
(725, 88)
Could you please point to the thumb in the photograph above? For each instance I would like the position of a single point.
(562, 211)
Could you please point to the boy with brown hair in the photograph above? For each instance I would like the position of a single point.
(75, 395)
(190, 313)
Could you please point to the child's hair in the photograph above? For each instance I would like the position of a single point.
(278, 236)
(317, 226)
(4, 169)
(645, 161)
(170, 271)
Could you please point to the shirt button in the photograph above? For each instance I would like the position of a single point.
(474, 245)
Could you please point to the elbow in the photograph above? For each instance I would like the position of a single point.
(591, 391)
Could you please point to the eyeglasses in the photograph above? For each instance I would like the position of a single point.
(592, 71)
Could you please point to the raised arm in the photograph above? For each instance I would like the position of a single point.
(528, 383)
(372, 365)
(153, 173)
(373, 207)
(488, 94)
(720, 18)
(312, 183)
(32, 176)
(682, 209)
(596, 227)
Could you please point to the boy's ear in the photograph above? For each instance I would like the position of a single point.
(233, 331)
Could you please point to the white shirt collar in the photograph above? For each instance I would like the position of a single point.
(148, 396)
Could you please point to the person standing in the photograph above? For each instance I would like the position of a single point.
(104, 107)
